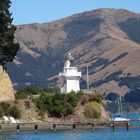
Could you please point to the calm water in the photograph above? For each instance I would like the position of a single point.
(107, 134)
(119, 134)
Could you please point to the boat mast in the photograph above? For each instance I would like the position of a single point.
(120, 105)
(87, 79)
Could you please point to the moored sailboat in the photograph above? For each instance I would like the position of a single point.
(119, 116)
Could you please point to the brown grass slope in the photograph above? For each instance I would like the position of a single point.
(106, 40)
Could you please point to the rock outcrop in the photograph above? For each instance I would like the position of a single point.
(6, 89)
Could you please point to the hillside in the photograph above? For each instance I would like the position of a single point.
(6, 89)
(105, 40)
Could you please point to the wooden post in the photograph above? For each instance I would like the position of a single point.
(54, 127)
(36, 127)
(18, 127)
(74, 127)
(112, 126)
(127, 126)
(93, 126)
(0, 128)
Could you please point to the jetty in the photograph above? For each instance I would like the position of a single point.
(68, 125)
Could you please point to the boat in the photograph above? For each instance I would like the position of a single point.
(117, 119)
(119, 116)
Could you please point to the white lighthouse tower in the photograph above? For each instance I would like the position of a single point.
(70, 76)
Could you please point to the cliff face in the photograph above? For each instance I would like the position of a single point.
(6, 89)
(105, 40)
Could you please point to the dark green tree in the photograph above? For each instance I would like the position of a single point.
(8, 47)
(15, 112)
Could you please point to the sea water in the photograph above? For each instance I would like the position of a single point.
(119, 134)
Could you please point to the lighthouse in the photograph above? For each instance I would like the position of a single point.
(70, 76)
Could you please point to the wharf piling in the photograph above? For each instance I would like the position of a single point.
(74, 127)
(127, 126)
(112, 126)
(36, 127)
(18, 127)
(93, 127)
(54, 127)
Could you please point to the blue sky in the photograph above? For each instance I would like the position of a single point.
(42, 11)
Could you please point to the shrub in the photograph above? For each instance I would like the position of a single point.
(14, 112)
(73, 99)
(29, 91)
(68, 109)
(85, 100)
(92, 110)
(5, 106)
(96, 97)
(56, 109)
(21, 95)
(57, 104)
(1, 112)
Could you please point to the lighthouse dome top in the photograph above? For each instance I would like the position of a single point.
(69, 57)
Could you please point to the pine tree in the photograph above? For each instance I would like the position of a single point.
(8, 47)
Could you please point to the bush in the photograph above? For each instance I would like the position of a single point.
(96, 97)
(92, 110)
(73, 98)
(14, 112)
(29, 91)
(57, 104)
(56, 109)
(21, 95)
(4, 106)
(68, 109)
(85, 100)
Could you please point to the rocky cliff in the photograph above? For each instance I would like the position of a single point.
(105, 40)
(6, 89)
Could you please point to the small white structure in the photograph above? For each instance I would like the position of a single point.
(6, 119)
(12, 120)
(70, 76)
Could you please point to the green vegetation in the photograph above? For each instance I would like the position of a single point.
(9, 110)
(58, 105)
(30, 91)
(55, 103)
(91, 97)
(92, 110)
(14, 112)
(4, 108)
(96, 96)
(8, 48)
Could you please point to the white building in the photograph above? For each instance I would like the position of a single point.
(70, 76)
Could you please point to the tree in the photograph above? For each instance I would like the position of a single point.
(8, 47)
(14, 112)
